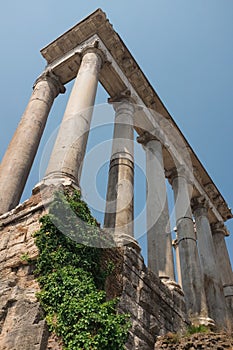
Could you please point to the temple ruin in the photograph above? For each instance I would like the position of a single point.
(89, 53)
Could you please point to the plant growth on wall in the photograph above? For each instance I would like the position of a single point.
(72, 280)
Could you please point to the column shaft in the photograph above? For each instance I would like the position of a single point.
(70, 145)
(224, 264)
(160, 256)
(191, 274)
(18, 159)
(212, 281)
(178, 266)
(119, 212)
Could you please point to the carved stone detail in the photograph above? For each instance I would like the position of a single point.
(155, 134)
(211, 190)
(124, 95)
(199, 202)
(123, 105)
(219, 227)
(197, 174)
(178, 171)
(54, 79)
(93, 49)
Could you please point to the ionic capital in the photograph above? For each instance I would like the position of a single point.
(200, 203)
(218, 201)
(179, 171)
(219, 228)
(94, 48)
(53, 80)
(123, 103)
(146, 137)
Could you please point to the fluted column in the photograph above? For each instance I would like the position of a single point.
(70, 145)
(212, 281)
(18, 159)
(160, 256)
(119, 213)
(219, 232)
(191, 274)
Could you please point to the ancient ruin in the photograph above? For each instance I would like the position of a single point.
(89, 53)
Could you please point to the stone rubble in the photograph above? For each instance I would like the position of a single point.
(198, 341)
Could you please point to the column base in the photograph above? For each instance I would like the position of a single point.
(202, 320)
(172, 285)
(55, 181)
(122, 239)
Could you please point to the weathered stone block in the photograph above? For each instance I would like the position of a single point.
(4, 239)
(140, 344)
(140, 331)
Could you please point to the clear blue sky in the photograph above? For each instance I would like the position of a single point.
(184, 47)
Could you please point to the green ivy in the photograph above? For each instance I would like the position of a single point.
(197, 329)
(72, 281)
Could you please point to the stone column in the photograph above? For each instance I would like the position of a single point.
(18, 159)
(160, 256)
(70, 145)
(119, 213)
(212, 280)
(178, 268)
(191, 274)
(219, 232)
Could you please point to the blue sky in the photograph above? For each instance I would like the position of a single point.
(184, 48)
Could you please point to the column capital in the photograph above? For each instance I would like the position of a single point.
(94, 49)
(178, 171)
(145, 137)
(200, 203)
(219, 228)
(123, 103)
(52, 79)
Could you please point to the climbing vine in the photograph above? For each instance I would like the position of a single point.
(72, 281)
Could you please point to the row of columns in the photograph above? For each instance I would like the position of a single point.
(197, 267)
(198, 270)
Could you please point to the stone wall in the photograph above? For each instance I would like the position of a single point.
(22, 326)
(154, 308)
(21, 319)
